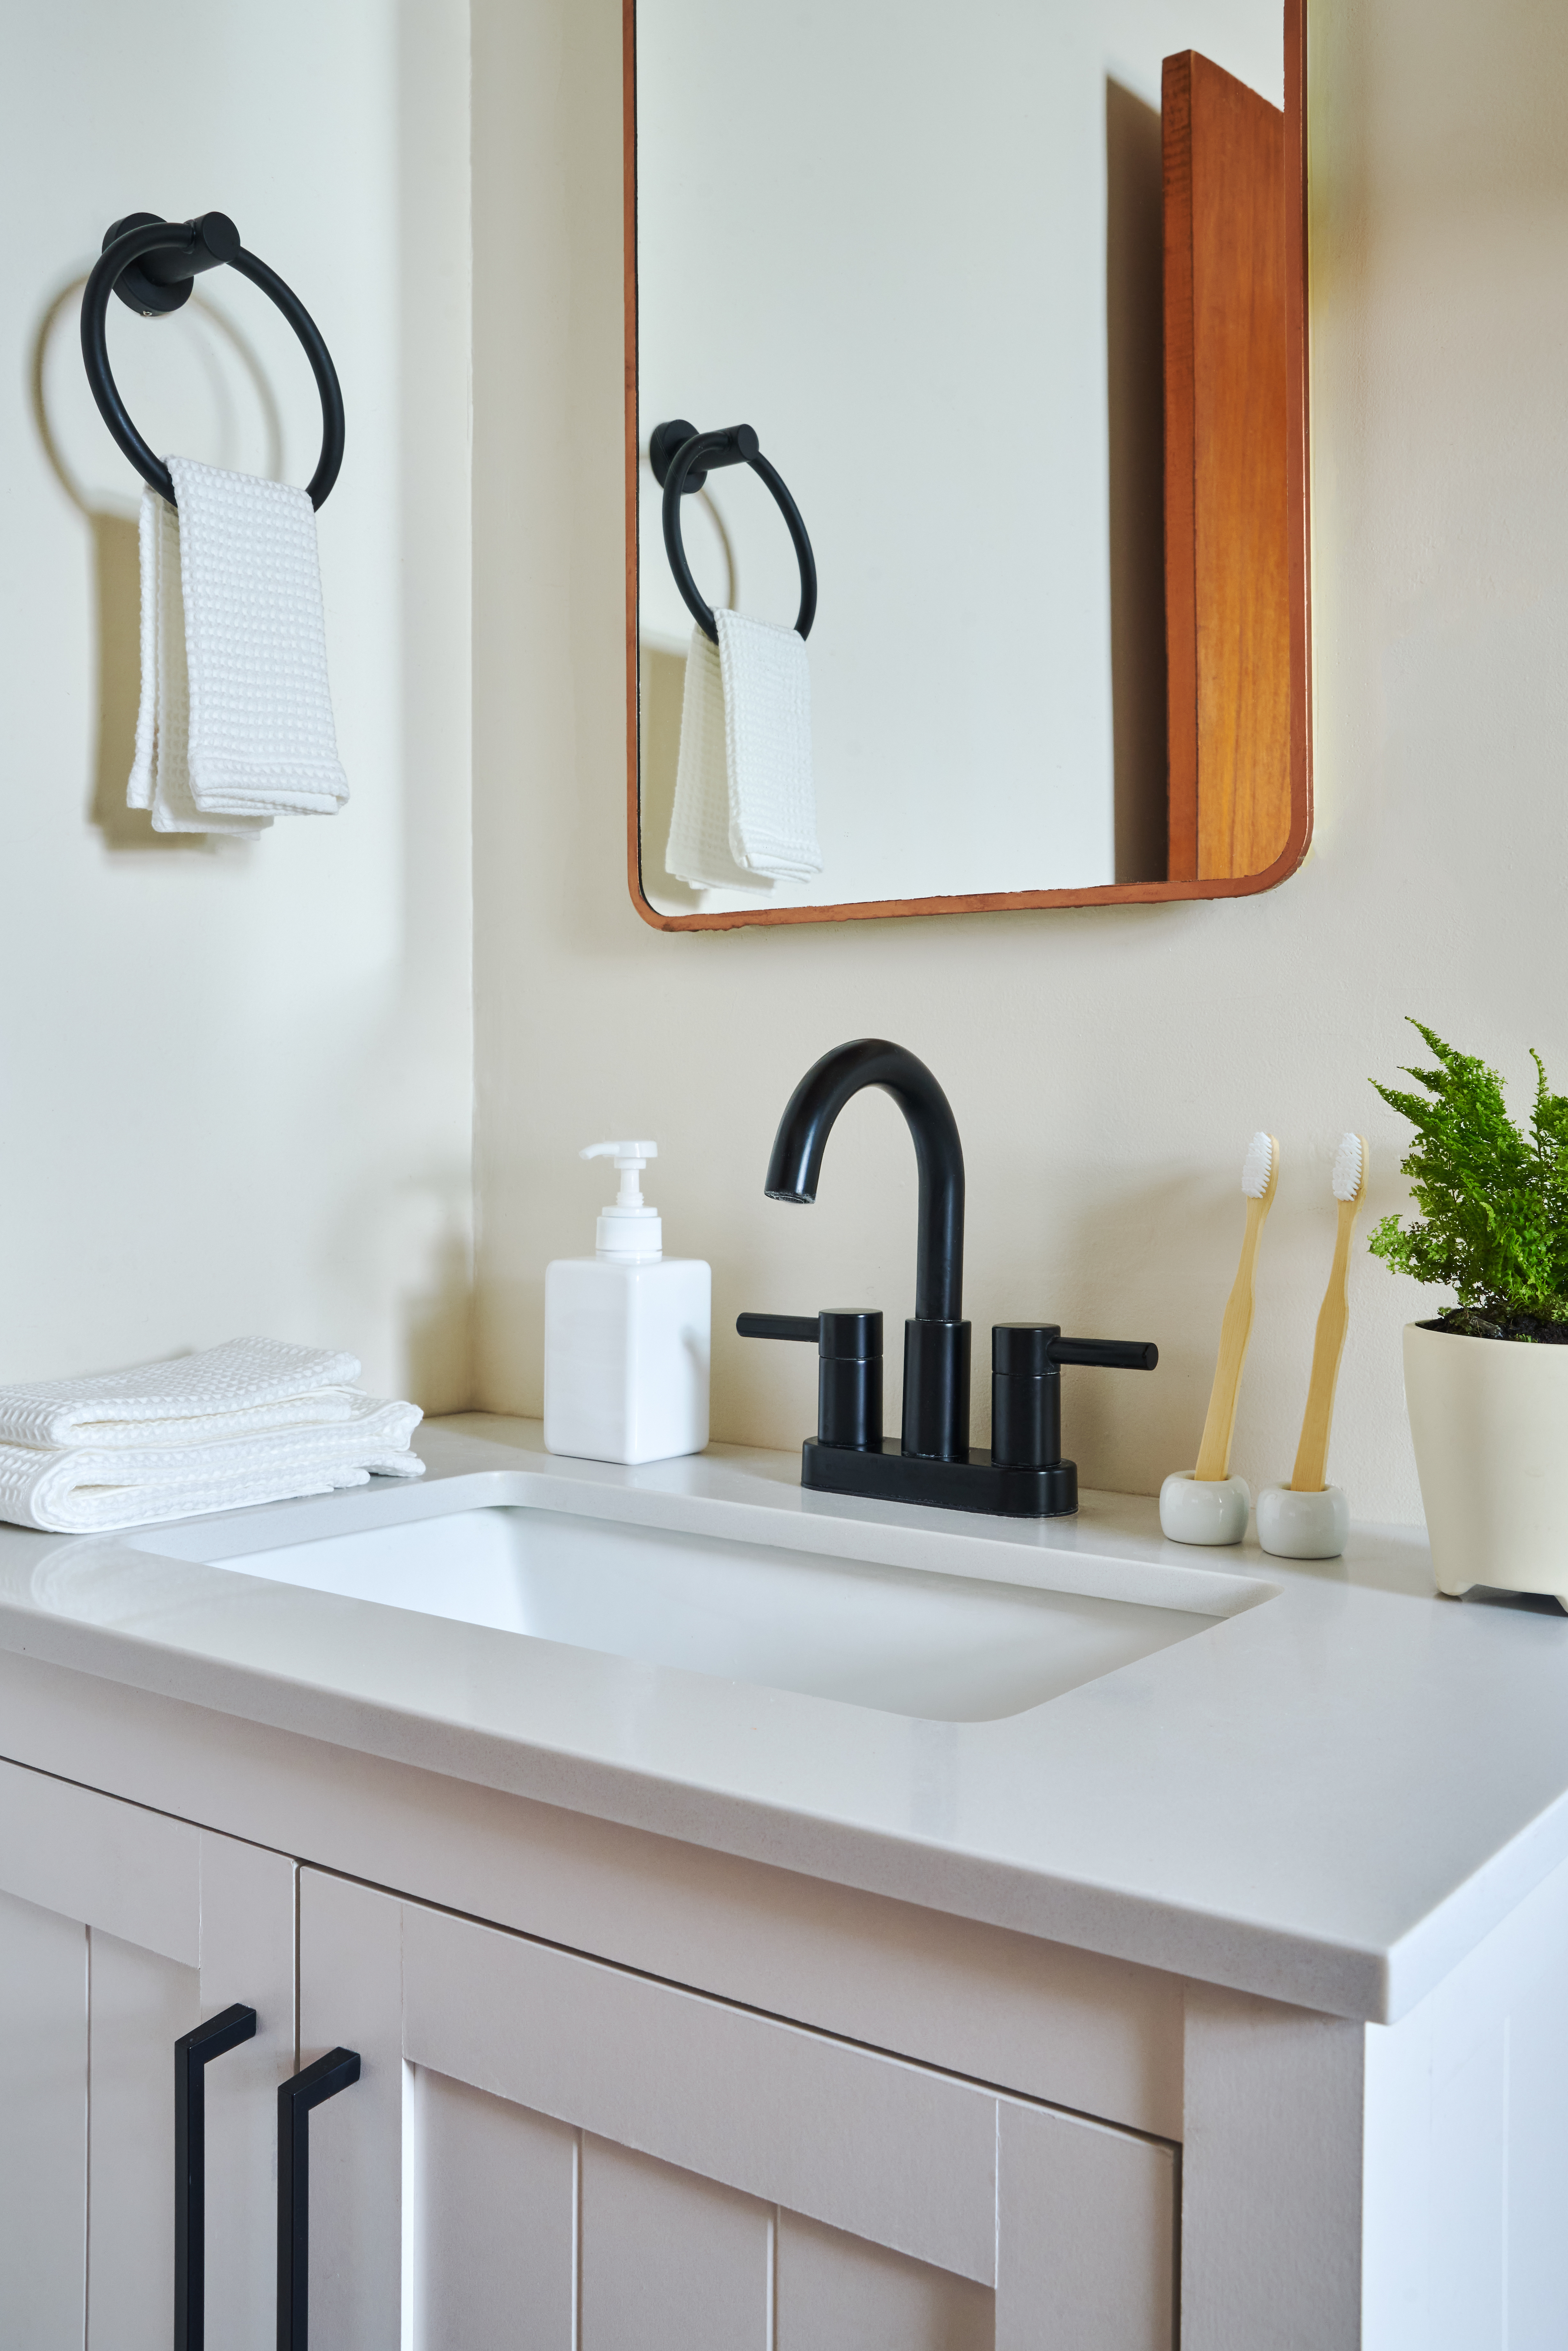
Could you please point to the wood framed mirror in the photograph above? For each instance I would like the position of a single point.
(1028, 341)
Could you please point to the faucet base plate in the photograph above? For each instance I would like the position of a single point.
(886, 1473)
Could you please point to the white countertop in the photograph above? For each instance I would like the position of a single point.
(1327, 1799)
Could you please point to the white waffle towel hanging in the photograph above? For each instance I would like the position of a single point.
(235, 722)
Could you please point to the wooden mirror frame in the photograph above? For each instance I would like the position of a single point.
(1185, 699)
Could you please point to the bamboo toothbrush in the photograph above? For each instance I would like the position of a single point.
(1349, 1183)
(1259, 1176)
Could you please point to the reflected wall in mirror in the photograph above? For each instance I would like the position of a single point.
(1013, 300)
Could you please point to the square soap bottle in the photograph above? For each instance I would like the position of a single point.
(627, 1334)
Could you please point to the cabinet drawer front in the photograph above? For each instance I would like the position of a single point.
(1086, 2225)
(130, 1872)
(883, 2149)
(634, 2165)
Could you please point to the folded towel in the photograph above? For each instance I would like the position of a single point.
(255, 1420)
(239, 723)
(88, 1490)
(745, 808)
(244, 1387)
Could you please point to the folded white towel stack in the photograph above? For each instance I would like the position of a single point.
(252, 1421)
(235, 722)
(744, 811)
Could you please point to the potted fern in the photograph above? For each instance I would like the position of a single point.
(1486, 1383)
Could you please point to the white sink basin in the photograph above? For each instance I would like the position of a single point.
(949, 1647)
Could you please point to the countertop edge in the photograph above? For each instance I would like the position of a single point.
(1337, 1979)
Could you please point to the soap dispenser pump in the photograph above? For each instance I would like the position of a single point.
(627, 1333)
(628, 1225)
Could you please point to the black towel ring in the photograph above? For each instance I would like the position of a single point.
(682, 459)
(150, 263)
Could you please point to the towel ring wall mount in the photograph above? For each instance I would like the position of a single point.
(152, 265)
(682, 459)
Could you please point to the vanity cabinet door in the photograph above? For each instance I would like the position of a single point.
(548, 2153)
(119, 1930)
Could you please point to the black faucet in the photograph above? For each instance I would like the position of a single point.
(1023, 1475)
(936, 1343)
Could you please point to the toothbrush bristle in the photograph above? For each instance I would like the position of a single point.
(1258, 1166)
(1347, 1167)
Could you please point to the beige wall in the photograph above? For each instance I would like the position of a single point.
(236, 1084)
(236, 1080)
(1106, 1067)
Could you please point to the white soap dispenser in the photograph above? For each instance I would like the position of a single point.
(627, 1334)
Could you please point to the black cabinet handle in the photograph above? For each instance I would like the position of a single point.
(192, 2053)
(310, 2087)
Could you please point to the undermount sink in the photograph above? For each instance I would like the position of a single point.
(904, 1641)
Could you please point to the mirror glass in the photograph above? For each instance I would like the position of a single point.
(918, 249)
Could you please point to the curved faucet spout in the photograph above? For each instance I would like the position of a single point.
(807, 1121)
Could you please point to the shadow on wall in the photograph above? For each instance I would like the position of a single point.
(1134, 383)
(437, 1335)
(117, 591)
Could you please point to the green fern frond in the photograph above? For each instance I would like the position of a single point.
(1494, 1200)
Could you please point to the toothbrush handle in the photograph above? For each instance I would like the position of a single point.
(1214, 1453)
(1334, 1319)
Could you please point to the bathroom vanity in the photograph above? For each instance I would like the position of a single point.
(770, 1918)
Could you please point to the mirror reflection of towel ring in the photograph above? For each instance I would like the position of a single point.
(150, 264)
(682, 459)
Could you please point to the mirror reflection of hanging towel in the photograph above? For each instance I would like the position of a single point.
(745, 806)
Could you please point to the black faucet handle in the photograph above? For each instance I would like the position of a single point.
(844, 1335)
(849, 1368)
(1115, 1354)
(1026, 1385)
(1030, 1350)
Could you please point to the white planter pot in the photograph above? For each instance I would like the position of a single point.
(1490, 1420)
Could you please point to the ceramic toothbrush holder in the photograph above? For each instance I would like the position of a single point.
(1213, 1511)
(1302, 1526)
